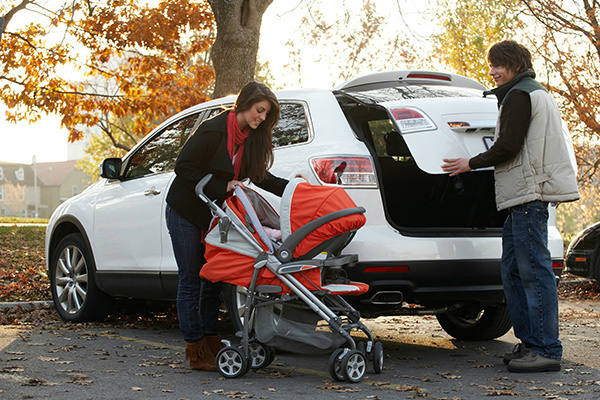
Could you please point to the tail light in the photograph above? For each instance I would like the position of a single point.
(412, 120)
(346, 171)
(557, 264)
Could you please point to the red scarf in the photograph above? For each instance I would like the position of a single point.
(236, 136)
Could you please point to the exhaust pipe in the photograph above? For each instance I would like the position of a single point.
(392, 297)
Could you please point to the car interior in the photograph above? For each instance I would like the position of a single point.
(416, 201)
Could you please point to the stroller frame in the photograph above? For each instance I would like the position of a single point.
(348, 363)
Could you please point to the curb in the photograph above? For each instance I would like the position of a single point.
(25, 305)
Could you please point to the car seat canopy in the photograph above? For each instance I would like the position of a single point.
(302, 203)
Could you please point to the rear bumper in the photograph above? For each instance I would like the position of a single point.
(431, 283)
(579, 263)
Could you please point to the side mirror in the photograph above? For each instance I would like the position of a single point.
(110, 168)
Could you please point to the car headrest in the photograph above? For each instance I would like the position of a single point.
(395, 145)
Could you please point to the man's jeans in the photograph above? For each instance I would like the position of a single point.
(197, 299)
(529, 283)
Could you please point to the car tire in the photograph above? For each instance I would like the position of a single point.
(595, 265)
(476, 322)
(234, 298)
(73, 282)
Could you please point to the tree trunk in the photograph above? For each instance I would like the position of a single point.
(234, 52)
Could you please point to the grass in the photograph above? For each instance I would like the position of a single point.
(19, 220)
(22, 264)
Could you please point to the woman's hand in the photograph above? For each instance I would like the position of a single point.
(301, 176)
(231, 185)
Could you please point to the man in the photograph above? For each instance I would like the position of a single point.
(532, 156)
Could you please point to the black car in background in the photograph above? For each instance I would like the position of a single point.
(583, 254)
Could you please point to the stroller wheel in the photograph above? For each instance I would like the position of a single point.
(260, 355)
(362, 347)
(378, 357)
(354, 366)
(335, 365)
(231, 362)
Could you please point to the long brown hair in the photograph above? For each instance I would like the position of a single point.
(258, 149)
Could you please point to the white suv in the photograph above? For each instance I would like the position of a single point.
(431, 244)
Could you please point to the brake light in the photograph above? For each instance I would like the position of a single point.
(557, 264)
(412, 120)
(349, 171)
(429, 76)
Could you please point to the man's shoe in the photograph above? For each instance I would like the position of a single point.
(533, 363)
(519, 351)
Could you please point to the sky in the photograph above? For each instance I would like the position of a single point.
(47, 141)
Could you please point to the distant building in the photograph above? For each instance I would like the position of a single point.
(35, 190)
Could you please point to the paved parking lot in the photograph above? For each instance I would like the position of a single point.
(96, 361)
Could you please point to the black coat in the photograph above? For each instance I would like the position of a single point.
(204, 152)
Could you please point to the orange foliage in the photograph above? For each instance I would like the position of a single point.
(140, 62)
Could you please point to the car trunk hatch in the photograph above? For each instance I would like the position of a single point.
(409, 140)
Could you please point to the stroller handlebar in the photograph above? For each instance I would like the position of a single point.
(200, 186)
(199, 189)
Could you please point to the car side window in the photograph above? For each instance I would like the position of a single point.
(159, 154)
(292, 127)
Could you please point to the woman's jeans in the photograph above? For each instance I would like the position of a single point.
(197, 299)
(529, 283)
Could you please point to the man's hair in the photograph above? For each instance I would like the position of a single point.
(511, 55)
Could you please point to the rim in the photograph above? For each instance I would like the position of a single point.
(258, 355)
(71, 279)
(230, 362)
(355, 368)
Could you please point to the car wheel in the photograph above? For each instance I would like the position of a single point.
(72, 281)
(234, 298)
(595, 265)
(476, 322)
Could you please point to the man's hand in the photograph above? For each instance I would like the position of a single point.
(456, 165)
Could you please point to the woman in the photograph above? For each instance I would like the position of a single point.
(232, 146)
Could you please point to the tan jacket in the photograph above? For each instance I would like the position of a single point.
(545, 167)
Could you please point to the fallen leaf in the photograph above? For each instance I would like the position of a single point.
(449, 375)
(48, 358)
(501, 393)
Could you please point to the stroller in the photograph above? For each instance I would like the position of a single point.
(294, 275)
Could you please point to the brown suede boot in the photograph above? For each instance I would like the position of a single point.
(214, 344)
(200, 356)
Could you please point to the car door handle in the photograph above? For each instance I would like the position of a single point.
(151, 192)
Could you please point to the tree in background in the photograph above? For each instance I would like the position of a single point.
(234, 51)
(142, 63)
(468, 27)
(351, 42)
(569, 47)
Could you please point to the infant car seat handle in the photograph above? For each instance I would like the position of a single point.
(285, 251)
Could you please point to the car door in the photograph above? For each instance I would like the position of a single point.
(129, 221)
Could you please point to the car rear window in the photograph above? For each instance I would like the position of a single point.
(414, 92)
